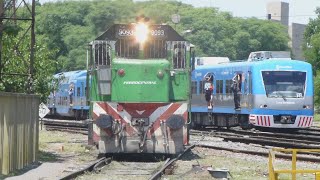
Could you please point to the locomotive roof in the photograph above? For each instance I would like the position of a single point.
(111, 33)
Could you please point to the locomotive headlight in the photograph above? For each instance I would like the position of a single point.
(306, 107)
(263, 106)
(160, 74)
(141, 32)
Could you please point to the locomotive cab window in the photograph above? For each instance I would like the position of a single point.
(284, 84)
(179, 53)
(102, 52)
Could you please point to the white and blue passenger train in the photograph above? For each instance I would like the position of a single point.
(69, 96)
(275, 93)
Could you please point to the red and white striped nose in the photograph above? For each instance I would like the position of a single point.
(305, 121)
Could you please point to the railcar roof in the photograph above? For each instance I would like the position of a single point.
(72, 74)
(254, 63)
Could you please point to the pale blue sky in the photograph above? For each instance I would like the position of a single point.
(299, 10)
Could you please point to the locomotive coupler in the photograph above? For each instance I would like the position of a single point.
(143, 140)
(285, 119)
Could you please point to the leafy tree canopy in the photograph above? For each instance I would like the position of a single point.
(311, 49)
(69, 25)
(64, 29)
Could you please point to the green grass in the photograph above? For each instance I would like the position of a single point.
(316, 117)
(47, 157)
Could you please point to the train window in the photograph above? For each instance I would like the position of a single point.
(102, 53)
(179, 53)
(284, 84)
(127, 48)
(194, 87)
(228, 86)
(219, 88)
(155, 49)
(250, 82)
(201, 85)
(78, 91)
(238, 78)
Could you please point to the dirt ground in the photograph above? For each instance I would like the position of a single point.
(62, 153)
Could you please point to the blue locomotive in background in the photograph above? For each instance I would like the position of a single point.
(68, 98)
(275, 93)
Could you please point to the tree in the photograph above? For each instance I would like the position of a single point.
(16, 66)
(70, 25)
(311, 50)
(311, 46)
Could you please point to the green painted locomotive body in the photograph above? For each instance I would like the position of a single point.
(140, 91)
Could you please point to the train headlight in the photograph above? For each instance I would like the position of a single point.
(263, 106)
(141, 32)
(160, 74)
(306, 107)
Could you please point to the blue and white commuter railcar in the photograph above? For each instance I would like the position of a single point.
(69, 96)
(274, 93)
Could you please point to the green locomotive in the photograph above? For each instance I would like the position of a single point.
(139, 89)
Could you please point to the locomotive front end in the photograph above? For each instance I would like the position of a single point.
(140, 87)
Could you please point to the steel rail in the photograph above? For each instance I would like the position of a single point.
(91, 167)
(158, 174)
(259, 153)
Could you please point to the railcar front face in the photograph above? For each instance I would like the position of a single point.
(287, 99)
(141, 91)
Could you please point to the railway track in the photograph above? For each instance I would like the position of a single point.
(66, 125)
(307, 138)
(264, 138)
(139, 166)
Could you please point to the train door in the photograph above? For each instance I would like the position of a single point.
(245, 90)
(209, 77)
(102, 64)
(179, 72)
(249, 89)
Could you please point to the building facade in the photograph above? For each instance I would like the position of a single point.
(279, 11)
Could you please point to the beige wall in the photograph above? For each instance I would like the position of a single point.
(19, 132)
(296, 32)
(279, 12)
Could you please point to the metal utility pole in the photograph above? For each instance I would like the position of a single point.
(32, 45)
(9, 17)
(1, 29)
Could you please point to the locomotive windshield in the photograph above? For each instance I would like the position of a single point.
(284, 84)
